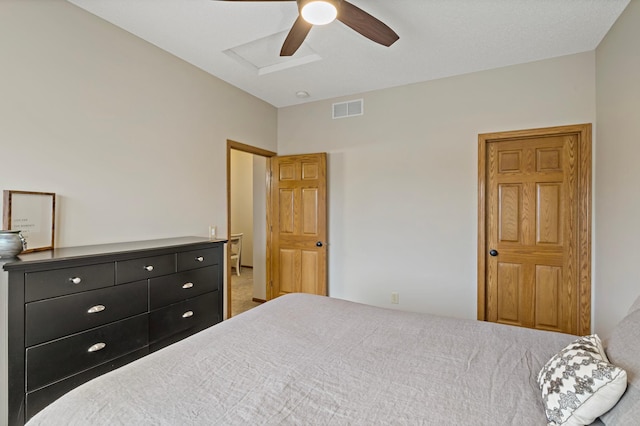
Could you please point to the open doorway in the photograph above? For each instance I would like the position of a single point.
(247, 188)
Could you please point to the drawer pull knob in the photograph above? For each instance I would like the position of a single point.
(187, 314)
(200, 259)
(97, 347)
(75, 280)
(187, 285)
(95, 309)
(149, 268)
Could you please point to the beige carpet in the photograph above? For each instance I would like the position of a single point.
(242, 291)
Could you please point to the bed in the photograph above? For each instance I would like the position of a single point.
(304, 359)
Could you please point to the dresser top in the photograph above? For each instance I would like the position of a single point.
(69, 253)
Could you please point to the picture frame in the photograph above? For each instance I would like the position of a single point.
(32, 213)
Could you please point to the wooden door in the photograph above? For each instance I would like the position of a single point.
(535, 256)
(298, 253)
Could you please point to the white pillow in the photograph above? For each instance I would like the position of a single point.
(635, 306)
(623, 349)
(578, 384)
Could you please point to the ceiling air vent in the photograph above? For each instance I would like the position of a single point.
(348, 109)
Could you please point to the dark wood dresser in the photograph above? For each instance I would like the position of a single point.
(78, 312)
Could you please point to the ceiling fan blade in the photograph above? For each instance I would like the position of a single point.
(296, 36)
(370, 27)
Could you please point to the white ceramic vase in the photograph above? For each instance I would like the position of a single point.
(12, 243)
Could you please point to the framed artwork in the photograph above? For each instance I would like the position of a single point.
(33, 214)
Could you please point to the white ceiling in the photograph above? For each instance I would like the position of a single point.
(239, 42)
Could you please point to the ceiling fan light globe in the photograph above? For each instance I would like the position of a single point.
(319, 12)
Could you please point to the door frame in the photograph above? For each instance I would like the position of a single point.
(238, 146)
(584, 148)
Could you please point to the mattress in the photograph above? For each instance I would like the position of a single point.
(304, 359)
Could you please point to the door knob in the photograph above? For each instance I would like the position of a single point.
(319, 244)
(493, 252)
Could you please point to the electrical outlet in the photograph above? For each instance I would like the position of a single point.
(395, 297)
(212, 232)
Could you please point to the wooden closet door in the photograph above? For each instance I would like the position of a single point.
(299, 224)
(533, 233)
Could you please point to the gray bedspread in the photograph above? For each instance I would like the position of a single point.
(312, 360)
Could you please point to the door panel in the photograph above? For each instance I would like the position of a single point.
(310, 211)
(549, 160)
(549, 213)
(287, 208)
(287, 270)
(299, 259)
(548, 296)
(510, 213)
(310, 170)
(531, 218)
(509, 161)
(309, 276)
(510, 283)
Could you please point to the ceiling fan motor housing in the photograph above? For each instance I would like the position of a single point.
(318, 12)
(345, 12)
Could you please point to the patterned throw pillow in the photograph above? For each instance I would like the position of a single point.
(579, 384)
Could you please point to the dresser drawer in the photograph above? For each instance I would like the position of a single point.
(183, 285)
(56, 360)
(58, 317)
(40, 398)
(199, 258)
(143, 268)
(196, 313)
(58, 282)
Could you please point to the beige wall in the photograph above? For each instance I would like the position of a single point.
(403, 177)
(132, 139)
(617, 206)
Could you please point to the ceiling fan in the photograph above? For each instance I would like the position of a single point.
(321, 12)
